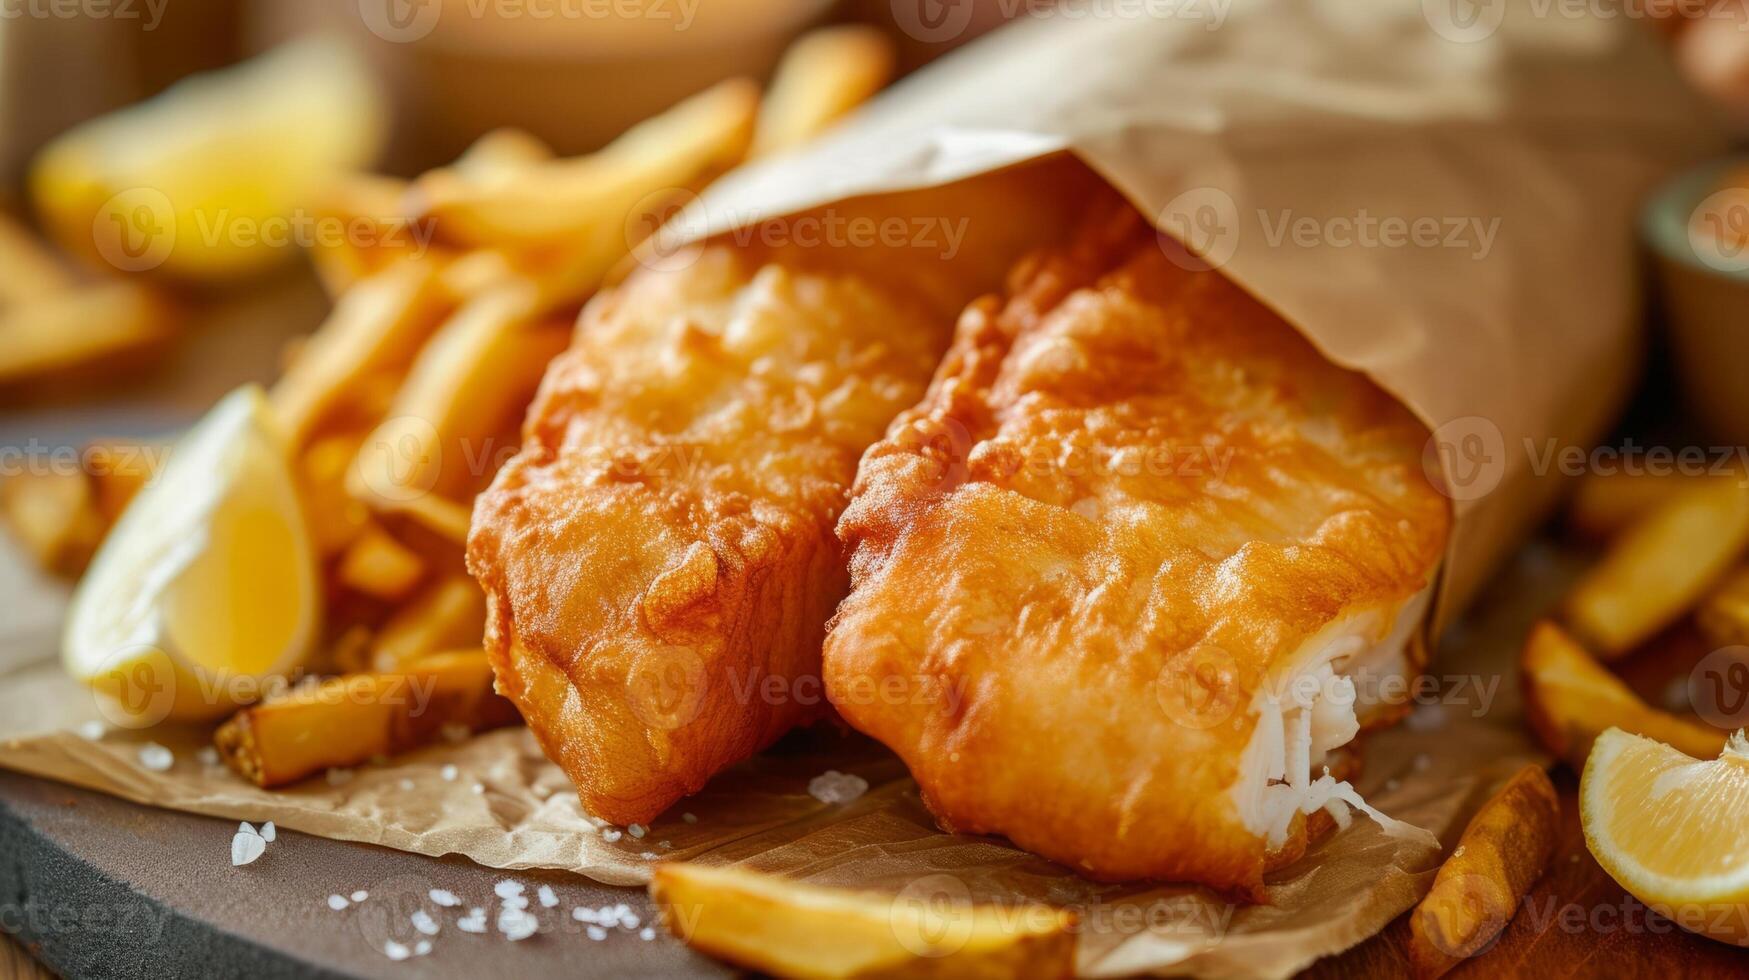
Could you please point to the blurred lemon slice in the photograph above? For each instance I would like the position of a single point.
(205, 180)
(207, 586)
(1672, 830)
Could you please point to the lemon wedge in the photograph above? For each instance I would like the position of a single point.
(207, 587)
(206, 180)
(1671, 830)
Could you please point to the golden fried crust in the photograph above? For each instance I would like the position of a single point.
(659, 558)
(1118, 469)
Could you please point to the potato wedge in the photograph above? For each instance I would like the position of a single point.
(32, 272)
(55, 517)
(788, 928)
(348, 720)
(379, 566)
(377, 327)
(823, 76)
(97, 323)
(448, 614)
(596, 195)
(1570, 699)
(474, 377)
(1723, 616)
(1504, 850)
(1660, 567)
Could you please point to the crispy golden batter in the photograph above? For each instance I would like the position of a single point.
(659, 559)
(1127, 481)
(663, 543)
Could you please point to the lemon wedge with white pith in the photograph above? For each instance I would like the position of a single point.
(1673, 830)
(208, 585)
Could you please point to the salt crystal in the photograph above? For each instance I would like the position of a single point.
(360, 895)
(91, 731)
(406, 784)
(583, 914)
(637, 831)
(474, 921)
(338, 902)
(246, 848)
(689, 817)
(547, 898)
(833, 786)
(246, 828)
(423, 948)
(269, 831)
(1459, 852)
(542, 792)
(515, 902)
(156, 757)
(423, 922)
(448, 773)
(339, 777)
(517, 924)
(444, 898)
(396, 951)
(479, 789)
(508, 887)
(597, 933)
(629, 921)
(610, 835)
(648, 855)
(208, 756)
(664, 844)
(646, 934)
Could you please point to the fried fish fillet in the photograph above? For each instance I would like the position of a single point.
(659, 558)
(1115, 576)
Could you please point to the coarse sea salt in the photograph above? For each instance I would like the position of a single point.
(246, 847)
(548, 898)
(508, 887)
(610, 835)
(449, 773)
(156, 757)
(338, 902)
(833, 786)
(91, 731)
(423, 922)
(444, 898)
(396, 951)
(517, 924)
(474, 921)
(360, 895)
(597, 933)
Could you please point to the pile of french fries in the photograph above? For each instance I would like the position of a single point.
(400, 407)
(1674, 546)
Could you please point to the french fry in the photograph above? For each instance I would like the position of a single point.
(476, 374)
(348, 720)
(377, 326)
(55, 517)
(1604, 504)
(1723, 616)
(786, 928)
(336, 520)
(448, 614)
(1570, 699)
(32, 272)
(1503, 851)
(373, 230)
(823, 76)
(446, 519)
(501, 155)
(1660, 567)
(96, 323)
(379, 566)
(596, 194)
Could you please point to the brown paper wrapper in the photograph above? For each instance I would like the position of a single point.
(1544, 129)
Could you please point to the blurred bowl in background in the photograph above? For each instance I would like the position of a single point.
(1697, 227)
(575, 73)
